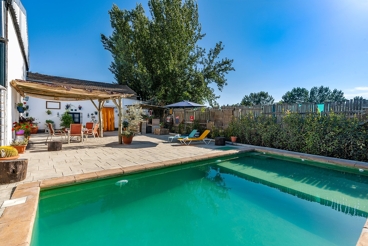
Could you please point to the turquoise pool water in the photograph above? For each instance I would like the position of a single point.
(250, 199)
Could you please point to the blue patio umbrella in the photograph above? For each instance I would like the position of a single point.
(184, 104)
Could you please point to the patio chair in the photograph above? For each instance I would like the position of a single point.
(76, 130)
(191, 135)
(89, 125)
(54, 133)
(92, 132)
(203, 138)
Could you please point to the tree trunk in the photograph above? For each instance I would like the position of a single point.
(13, 170)
(54, 146)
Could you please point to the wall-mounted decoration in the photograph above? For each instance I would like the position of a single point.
(26, 98)
(96, 112)
(80, 107)
(67, 106)
(48, 112)
(58, 115)
(52, 105)
(87, 115)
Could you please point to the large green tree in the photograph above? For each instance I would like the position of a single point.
(159, 56)
(260, 98)
(324, 94)
(296, 95)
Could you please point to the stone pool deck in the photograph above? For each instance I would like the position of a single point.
(102, 158)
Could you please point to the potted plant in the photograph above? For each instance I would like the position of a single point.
(8, 153)
(133, 117)
(127, 136)
(20, 107)
(66, 119)
(20, 145)
(80, 107)
(22, 128)
(67, 106)
(233, 130)
(48, 112)
(125, 125)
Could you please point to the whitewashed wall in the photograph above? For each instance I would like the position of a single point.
(16, 70)
(37, 109)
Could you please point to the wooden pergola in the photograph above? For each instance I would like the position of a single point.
(68, 89)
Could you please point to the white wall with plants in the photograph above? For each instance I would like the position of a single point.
(43, 110)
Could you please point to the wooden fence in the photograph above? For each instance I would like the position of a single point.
(220, 118)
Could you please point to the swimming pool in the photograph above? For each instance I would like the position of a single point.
(251, 199)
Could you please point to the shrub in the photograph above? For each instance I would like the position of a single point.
(7, 151)
(331, 135)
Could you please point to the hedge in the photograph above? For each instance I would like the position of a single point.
(333, 135)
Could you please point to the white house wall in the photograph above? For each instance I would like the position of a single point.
(37, 109)
(16, 69)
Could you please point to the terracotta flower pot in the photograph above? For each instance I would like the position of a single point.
(21, 148)
(233, 139)
(34, 130)
(9, 158)
(127, 139)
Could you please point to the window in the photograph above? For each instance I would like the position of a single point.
(2, 64)
(76, 117)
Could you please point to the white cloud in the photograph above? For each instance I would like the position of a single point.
(361, 88)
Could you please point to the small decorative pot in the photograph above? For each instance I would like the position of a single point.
(21, 148)
(19, 132)
(233, 139)
(20, 109)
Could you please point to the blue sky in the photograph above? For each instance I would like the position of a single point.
(276, 44)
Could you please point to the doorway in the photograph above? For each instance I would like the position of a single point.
(108, 119)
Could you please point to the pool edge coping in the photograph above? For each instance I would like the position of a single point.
(20, 219)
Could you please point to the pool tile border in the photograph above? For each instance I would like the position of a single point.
(16, 223)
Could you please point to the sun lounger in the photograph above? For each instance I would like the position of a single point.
(203, 138)
(177, 136)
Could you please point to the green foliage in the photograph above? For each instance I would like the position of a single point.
(66, 119)
(8, 151)
(134, 117)
(296, 95)
(181, 128)
(125, 124)
(159, 57)
(260, 98)
(324, 94)
(17, 142)
(216, 132)
(197, 126)
(331, 135)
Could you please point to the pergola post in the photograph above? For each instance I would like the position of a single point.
(118, 104)
(99, 109)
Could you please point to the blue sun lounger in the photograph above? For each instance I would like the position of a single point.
(191, 135)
